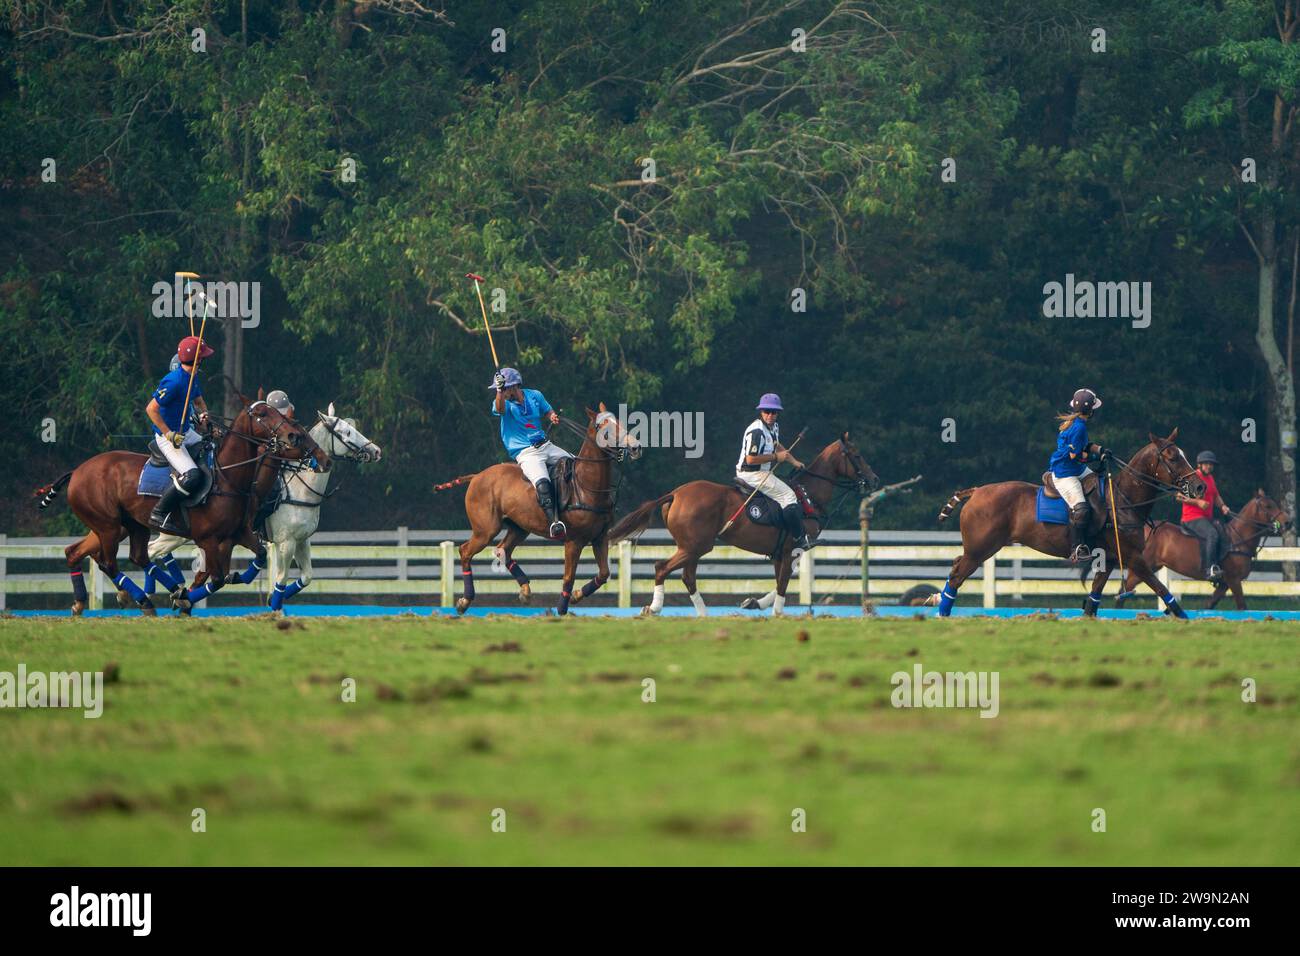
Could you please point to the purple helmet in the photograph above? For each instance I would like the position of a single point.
(511, 376)
(771, 402)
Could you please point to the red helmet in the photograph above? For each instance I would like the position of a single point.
(188, 346)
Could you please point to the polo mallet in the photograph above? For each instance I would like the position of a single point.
(477, 279)
(194, 370)
(189, 306)
(1114, 517)
(766, 476)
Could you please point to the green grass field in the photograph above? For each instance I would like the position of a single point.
(544, 719)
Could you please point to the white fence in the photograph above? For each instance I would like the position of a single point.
(423, 565)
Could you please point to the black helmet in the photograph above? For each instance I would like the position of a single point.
(1206, 458)
(1085, 400)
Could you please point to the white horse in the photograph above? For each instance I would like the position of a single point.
(301, 492)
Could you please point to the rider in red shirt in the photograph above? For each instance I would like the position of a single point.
(1198, 516)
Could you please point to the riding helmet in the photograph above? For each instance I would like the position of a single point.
(1085, 400)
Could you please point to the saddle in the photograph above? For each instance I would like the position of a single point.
(566, 492)
(1052, 509)
(763, 510)
(156, 475)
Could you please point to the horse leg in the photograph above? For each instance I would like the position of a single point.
(1237, 594)
(284, 552)
(1148, 577)
(216, 560)
(302, 555)
(600, 549)
(514, 536)
(168, 571)
(963, 566)
(783, 569)
(253, 543)
(75, 554)
(688, 580)
(1220, 590)
(1130, 586)
(662, 570)
(572, 551)
(108, 541)
(1093, 601)
(478, 540)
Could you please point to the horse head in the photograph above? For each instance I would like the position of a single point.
(1265, 515)
(846, 462)
(283, 437)
(345, 439)
(604, 428)
(1164, 464)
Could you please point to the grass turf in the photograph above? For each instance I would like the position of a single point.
(544, 719)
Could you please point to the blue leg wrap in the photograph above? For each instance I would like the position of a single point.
(947, 598)
(277, 597)
(294, 588)
(173, 568)
(130, 587)
(199, 593)
(250, 573)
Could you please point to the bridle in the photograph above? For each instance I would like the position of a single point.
(859, 483)
(270, 445)
(1181, 484)
(618, 455)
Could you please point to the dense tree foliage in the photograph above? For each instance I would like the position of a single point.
(796, 145)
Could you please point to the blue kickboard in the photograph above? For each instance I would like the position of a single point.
(153, 480)
(1055, 510)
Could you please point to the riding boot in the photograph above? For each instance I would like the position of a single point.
(792, 515)
(546, 499)
(1079, 516)
(162, 518)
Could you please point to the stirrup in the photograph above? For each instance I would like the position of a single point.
(1080, 553)
(563, 530)
(1215, 573)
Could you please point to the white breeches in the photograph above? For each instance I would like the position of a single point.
(1070, 489)
(534, 460)
(179, 458)
(774, 487)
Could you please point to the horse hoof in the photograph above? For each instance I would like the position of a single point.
(648, 611)
(123, 601)
(77, 608)
(147, 608)
(525, 594)
(462, 605)
(749, 604)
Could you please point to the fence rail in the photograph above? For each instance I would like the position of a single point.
(406, 562)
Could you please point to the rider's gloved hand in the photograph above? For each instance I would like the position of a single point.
(176, 439)
(1106, 455)
(498, 381)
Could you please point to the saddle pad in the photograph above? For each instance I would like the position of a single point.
(761, 509)
(153, 480)
(1055, 510)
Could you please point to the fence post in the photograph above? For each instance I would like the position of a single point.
(448, 561)
(96, 587)
(864, 525)
(403, 540)
(1163, 576)
(4, 572)
(806, 579)
(1018, 572)
(990, 583)
(625, 574)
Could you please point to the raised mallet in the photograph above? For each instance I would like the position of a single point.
(477, 279)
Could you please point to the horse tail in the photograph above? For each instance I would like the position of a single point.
(51, 491)
(954, 503)
(638, 520)
(455, 481)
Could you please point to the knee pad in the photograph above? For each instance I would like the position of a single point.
(1079, 514)
(191, 480)
(543, 488)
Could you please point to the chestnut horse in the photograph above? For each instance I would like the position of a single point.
(501, 496)
(1170, 547)
(102, 493)
(997, 515)
(696, 512)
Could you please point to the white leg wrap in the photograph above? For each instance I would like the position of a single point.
(698, 601)
(778, 606)
(766, 600)
(657, 602)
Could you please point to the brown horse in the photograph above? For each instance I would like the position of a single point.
(102, 493)
(696, 512)
(501, 496)
(997, 515)
(1168, 546)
